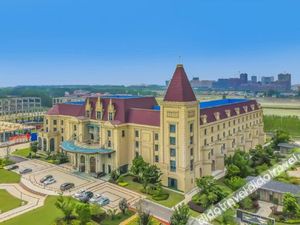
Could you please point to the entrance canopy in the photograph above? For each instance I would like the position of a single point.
(70, 146)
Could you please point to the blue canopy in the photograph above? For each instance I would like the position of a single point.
(70, 146)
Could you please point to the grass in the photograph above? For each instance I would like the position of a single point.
(8, 177)
(45, 214)
(136, 222)
(11, 202)
(174, 197)
(22, 152)
(120, 218)
(290, 124)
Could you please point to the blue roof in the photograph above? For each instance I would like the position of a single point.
(122, 96)
(214, 103)
(221, 102)
(69, 146)
(75, 103)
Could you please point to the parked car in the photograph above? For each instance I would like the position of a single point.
(103, 201)
(12, 167)
(99, 175)
(49, 181)
(66, 186)
(86, 196)
(46, 178)
(96, 198)
(79, 193)
(26, 170)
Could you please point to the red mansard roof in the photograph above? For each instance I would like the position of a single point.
(210, 112)
(144, 117)
(66, 110)
(180, 89)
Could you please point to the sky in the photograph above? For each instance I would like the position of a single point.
(141, 41)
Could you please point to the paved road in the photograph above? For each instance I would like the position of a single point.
(161, 212)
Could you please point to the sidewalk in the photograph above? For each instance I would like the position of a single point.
(33, 201)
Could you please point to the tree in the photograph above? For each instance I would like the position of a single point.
(115, 175)
(34, 147)
(150, 175)
(291, 207)
(66, 205)
(123, 205)
(144, 218)
(280, 136)
(180, 215)
(84, 213)
(138, 165)
(232, 171)
(235, 182)
(241, 160)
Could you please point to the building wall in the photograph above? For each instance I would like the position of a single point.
(199, 149)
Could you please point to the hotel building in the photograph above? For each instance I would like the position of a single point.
(184, 138)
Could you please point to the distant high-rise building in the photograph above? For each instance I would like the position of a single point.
(286, 80)
(254, 79)
(267, 80)
(244, 77)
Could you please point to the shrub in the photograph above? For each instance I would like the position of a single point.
(123, 184)
(246, 203)
(235, 182)
(161, 197)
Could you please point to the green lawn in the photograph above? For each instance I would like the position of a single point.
(173, 199)
(118, 220)
(45, 215)
(22, 152)
(153, 222)
(290, 124)
(8, 177)
(11, 202)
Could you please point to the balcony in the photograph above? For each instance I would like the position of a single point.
(78, 147)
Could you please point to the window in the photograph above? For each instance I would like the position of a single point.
(61, 122)
(191, 151)
(109, 144)
(212, 129)
(110, 116)
(123, 133)
(172, 165)
(205, 142)
(192, 165)
(212, 139)
(172, 152)
(191, 128)
(137, 144)
(99, 115)
(108, 133)
(208, 156)
(156, 136)
(109, 156)
(212, 152)
(46, 121)
(156, 147)
(172, 128)
(191, 140)
(218, 127)
(54, 129)
(54, 122)
(75, 127)
(172, 141)
(205, 131)
(62, 139)
(136, 133)
(87, 113)
(156, 159)
(62, 130)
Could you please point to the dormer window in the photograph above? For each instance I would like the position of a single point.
(87, 113)
(110, 116)
(99, 115)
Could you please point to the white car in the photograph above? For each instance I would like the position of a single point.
(96, 198)
(49, 181)
(79, 194)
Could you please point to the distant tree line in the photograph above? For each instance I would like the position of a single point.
(46, 93)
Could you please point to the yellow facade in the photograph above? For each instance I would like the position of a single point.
(185, 145)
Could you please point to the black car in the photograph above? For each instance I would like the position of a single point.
(13, 167)
(66, 186)
(99, 175)
(86, 196)
(46, 178)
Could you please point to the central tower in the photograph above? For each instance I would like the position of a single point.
(179, 116)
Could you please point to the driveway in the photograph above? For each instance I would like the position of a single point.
(63, 174)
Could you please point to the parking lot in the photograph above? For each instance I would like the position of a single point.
(61, 175)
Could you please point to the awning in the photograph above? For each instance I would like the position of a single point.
(69, 146)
